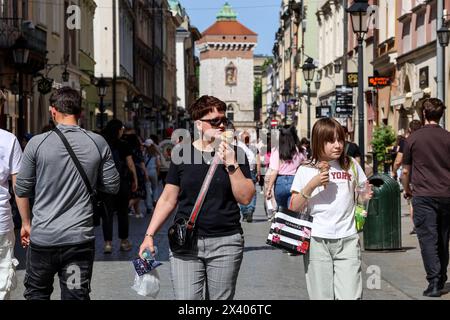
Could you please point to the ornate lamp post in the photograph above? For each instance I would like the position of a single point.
(286, 96)
(137, 103)
(308, 73)
(21, 53)
(102, 87)
(360, 23)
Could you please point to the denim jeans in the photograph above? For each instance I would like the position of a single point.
(283, 186)
(72, 263)
(432, 222)
(249, 209)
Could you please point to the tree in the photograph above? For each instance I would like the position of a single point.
(383, 137)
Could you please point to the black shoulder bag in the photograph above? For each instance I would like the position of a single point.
(98, 204)
(182, 234)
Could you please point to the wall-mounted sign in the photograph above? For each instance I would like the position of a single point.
(344, 101)
(423, 78)
(323, 112)
(352, 79)
(45, 85)
(379, 81)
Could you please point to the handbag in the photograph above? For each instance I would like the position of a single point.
(98, 204)
(290, 231)
(182, 234)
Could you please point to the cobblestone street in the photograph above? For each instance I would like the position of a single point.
(266, 273)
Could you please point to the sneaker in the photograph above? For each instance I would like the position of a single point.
(139, 216)
(107, 248)
(413, 231)
(125, 246)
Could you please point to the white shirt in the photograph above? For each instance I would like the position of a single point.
(333, 207)
(250, 155)
(10, 159)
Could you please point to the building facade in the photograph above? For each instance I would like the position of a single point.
(227, 68)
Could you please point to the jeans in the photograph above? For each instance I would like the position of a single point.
(432, 223)
(73, 263)
(152, 188)
(213, 268)
(249, 209)
(283, 186)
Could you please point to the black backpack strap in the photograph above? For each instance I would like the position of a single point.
(75, 161)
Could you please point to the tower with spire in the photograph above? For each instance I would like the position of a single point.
(226, 66)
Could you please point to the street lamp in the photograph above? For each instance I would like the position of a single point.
(337, 67)
(360, 23)
(101, 91)
(137, 102)
(286, 96)
(308, 73)
(21, 53)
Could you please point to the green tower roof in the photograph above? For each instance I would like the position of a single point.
(227, 13)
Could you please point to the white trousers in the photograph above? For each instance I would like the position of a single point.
(333, 269)
(8, 264)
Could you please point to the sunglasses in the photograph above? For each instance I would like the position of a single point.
(216, 122)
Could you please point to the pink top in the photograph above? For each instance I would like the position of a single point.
(285, 168)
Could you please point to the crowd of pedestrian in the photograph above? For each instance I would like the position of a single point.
(75, 180)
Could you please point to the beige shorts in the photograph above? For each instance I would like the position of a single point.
(8, 264)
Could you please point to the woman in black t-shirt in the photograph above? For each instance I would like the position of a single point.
(220, 244)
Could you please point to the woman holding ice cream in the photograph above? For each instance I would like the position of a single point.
(326, 185)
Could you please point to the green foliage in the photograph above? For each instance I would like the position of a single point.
(383, 137)
(257, 94)
(267, 63)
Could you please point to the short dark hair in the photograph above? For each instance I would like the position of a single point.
(66, 100)
(205, 105)
(433, 109)
(415, 125)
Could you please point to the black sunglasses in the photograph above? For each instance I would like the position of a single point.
(216, 122)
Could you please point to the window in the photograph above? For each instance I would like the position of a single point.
(57, 14)
(406, 36)
(432, 22)
(42, 13)
(420, 29)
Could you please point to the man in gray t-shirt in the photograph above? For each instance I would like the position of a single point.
(62, 230)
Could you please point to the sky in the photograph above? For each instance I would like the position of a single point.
(260, 16)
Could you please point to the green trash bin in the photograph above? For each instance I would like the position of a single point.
(382, 230)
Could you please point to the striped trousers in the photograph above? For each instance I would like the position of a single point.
(211, 272)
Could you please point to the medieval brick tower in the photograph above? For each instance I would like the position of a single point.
(226, 66)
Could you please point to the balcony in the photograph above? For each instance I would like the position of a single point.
(13, 28)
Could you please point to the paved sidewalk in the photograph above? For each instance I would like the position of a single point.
(266, 273)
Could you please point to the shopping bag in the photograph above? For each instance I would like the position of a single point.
(290, 231)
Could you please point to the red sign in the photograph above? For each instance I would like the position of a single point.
(274, 123)
(379, 81)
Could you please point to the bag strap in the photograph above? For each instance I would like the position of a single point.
(347, 146)
(202, 193)
(75, 161)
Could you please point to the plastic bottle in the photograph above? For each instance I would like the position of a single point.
(147, 255)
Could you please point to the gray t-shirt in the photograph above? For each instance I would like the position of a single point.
(62, 211)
